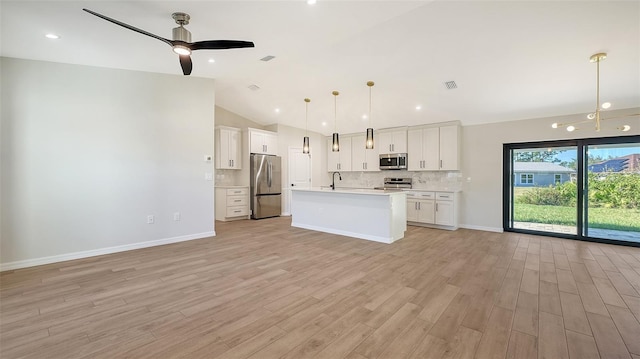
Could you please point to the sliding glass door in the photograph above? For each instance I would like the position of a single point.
(612, 191)
(584, 189)
(543, 189)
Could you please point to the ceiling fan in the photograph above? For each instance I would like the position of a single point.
(181, 42)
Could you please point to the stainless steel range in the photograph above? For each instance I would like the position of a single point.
(395, 183)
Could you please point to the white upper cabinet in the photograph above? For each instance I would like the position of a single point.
(263, 142)
(450, 148)
(363, 159)
(228, 148)
(392, 141)
(341, 160)
(434, 148)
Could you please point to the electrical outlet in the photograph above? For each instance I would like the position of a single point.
(208, 158)
(208, 176)
(176, 216)
(151, 219)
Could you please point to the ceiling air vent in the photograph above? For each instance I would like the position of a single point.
(450, 85)
(267, 58)
(253, 87)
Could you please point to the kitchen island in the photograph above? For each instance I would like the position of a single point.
(375, 215)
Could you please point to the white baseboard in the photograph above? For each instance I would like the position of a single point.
(482, 228)
(98, 252)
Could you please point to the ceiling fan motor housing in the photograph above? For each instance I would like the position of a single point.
(181, 34)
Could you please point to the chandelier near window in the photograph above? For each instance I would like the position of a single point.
(595, 116)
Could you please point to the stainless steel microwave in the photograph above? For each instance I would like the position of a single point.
(393, 161)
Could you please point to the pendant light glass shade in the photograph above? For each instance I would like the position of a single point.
(369, 144)
(305, 144)
(335, 145)
(369, 141)
(305, 140)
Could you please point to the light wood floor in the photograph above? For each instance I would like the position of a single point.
(262, 289)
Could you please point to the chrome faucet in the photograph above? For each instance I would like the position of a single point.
(333, 180)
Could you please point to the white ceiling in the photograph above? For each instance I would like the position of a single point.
(511, 59)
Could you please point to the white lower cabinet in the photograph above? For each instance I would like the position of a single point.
(232, 203)
(432, 209)
(445, 209)
(420, 207)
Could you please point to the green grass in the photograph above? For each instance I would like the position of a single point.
(606, 218)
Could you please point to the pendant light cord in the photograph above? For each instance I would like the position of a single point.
(598, 94)
(335, 112)
(370, 106)
(306, 115)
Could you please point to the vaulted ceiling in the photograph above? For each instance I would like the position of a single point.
(510, 59)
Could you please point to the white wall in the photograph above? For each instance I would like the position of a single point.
(88, 153)
(481, 199)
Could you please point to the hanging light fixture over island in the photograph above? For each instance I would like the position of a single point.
(369, 141)
(335, 146)
(305, 140)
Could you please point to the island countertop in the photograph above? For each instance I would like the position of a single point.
(377, 192)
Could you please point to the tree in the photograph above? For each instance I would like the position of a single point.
(537, 156)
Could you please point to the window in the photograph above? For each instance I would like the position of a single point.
(585, 189)
(526, 178)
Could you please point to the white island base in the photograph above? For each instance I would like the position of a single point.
(367, 214)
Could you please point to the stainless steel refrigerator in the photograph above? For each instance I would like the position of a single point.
(266, 186)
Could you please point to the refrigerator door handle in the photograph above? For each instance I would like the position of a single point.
(269, 173)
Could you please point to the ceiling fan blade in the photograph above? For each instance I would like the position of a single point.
(127, 26)
(219, 45)
(186, 64)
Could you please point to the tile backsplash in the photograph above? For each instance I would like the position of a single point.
(424, 179)
(226, 177)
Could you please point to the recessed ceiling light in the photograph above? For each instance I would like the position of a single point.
(311, 2)
(418, 107)
(52, 36)
(364, 117)
(324, 123)
(277, 110)
(606, 105)
(211, 61)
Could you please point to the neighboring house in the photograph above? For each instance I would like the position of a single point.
(628, 163)
(540, 174)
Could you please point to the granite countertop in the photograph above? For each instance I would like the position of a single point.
(230, 186)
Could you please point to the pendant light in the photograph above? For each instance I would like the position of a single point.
(369, 141)
(595, 116)
(305, 141)
(335, 146)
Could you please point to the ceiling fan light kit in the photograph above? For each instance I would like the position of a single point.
(181, 43)
(595, 115)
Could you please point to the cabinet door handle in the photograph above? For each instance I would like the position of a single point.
(436, 207)
(440, 163)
